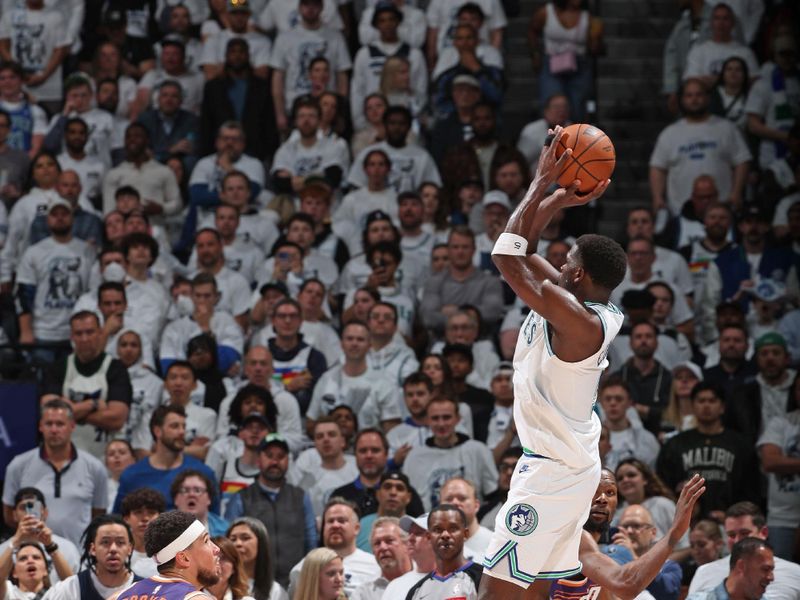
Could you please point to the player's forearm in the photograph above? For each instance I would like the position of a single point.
(635, 576)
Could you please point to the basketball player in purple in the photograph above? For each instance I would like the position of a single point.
(186, 558)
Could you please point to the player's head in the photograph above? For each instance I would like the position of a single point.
(180, 544)
(595, 266)
(604, 503)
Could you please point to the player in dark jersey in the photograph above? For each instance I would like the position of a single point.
(187, 560)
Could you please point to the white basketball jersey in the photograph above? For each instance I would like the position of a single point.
(554, 399)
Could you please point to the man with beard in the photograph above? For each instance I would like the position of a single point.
(454, 576)
(388, 543)
(86, 225)
(90, 169)
(284, 509)
(411, 165)
(699, 143)
(157, 471)
(609, 568)
(108, 544)
(171, 127)
(216, 46)
(732, 369)
(155, 182)
(187, 559)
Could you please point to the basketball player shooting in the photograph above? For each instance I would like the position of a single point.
(560, 354)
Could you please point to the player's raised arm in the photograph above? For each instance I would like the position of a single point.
(530, 276)
(629, 580)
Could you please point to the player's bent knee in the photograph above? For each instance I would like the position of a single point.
(493, 588)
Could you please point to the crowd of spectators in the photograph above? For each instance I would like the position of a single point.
(245, 250)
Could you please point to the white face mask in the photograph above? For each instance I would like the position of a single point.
(184, 305)
(114, 272)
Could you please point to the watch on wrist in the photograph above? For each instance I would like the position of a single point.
(51, 548)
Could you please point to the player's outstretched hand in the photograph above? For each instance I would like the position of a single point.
(691, 492)
(568, 197)
(549, 168)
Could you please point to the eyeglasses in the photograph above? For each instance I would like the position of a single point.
(635, 526)
(192, 490)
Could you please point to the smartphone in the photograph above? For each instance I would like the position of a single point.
(608, 535)
(283, 257)
(379, 264)
(34, 508)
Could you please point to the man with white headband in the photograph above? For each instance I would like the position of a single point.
(186, 558)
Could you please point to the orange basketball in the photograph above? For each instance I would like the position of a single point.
(593, 157)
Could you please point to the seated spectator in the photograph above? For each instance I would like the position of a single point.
(569, 36)
(470, 14)
(107, 565)
(453, 453)
(172, 129)
(555, 111)
(768, 301)
(201, 354)
(493, 502)
(392, 496)
(204, 318)
(285, 15)
(729, 96)
(649, 381)
(375, 195)
(372, 131)
(316, 197)
(726, 458)
(629, 438)
(509, 173)
(300, 231)
(411, 165)
(722, 154)
(137, 52)
(388, 543)
(157, 471)
(462, 328)
(215, 46)
(678, 416)
(181, 387)
(322, 576)
(463, 280)
(171, 65)
(334, 119)
(90, 169)
(415, 243)
(295, 47)
(388, 355)
(637, 524)
(454, 125)
(29, 516)
(688, 227)
(25, 134)
(435, 216)
(119, 456)
(752, 566)
(706, 547)
(705, 59)
(23, 568)
(339, 530)
(462, 493)
(412, 27)
(306, 153)
(181, 21)
(155, 182)
(252, 545)
(443, 18)
(371, 57)
(138, 509)
(193, 492)
(253, 110)
(285, 510)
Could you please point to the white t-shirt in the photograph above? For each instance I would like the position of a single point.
(687, 150)
(706, 58)
(441, 15)
(214, 47)
(295, 49)
(411, 167)
(412, 28)
(284, 15)
(783, 496)
(307, 473)
(487, 54)
(359, 568)
(234, 291)
(177, 334)
(90, 170)
(370, 395)
(399, 588)
(301, 160)
(356, 205)
(475, 545)
(34, 35)
(60, 273)
(69, 589)
(242, 257)
(786, 585)
(101, 129)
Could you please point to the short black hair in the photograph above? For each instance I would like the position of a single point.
(90, 534)
(447, 508)
(375, 431)
(302, 217)
(163, 530)
(418, 377)
(177, 483)
(137, 238)
(204, 279)
(181, 364)
(263, 394)
(603, 259)
(707, 386)
(73, 121)
(143, 498)
(127, 190)
(396, 109)
(386, 247)
(29, 492)
(746, 548)
(114, 286)
(746, 509)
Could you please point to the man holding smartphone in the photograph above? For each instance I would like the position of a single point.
(30, 516)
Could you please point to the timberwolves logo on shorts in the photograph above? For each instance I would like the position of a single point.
(522, 519)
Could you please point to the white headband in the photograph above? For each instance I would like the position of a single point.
(183, 541)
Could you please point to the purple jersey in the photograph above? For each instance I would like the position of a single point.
(160, 588)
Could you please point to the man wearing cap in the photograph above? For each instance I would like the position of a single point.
(370, 58)
(496, 210)
(292, 54)
(502, 433)
(214, 48)
(724, 457)
(388, 543)
(393, 495)
(411, 165)
(187, 559)
(307, 153)
(464, 328)
(86, 225)
(754, 404)
(171, 65)
(456, 96)
(284, 509)
(420, 551)
(415, 242)
(52, 275)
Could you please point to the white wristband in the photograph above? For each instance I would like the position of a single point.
(510, 244)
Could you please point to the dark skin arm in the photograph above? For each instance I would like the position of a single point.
(627, 581)
(577, 331)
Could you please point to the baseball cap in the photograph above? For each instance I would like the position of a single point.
(377, 215)
(461, 349)
(115, 18)
(476, 181)
(395, 476)
(386, 6)
(502, 368)
(272, 439)
(56, 202)
(238, 6)
(689, 366)
(768, 290)
(753, 210)
(772, 338)
(274, 285)
(466, 80)
(633, 299)
(497, 197)
(315, 185)
(256, 416)
(421, 521)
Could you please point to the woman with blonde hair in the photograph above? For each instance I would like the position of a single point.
(232, 584)
(678, 415)
(706, 544)
(322, 576)
(397, 87)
